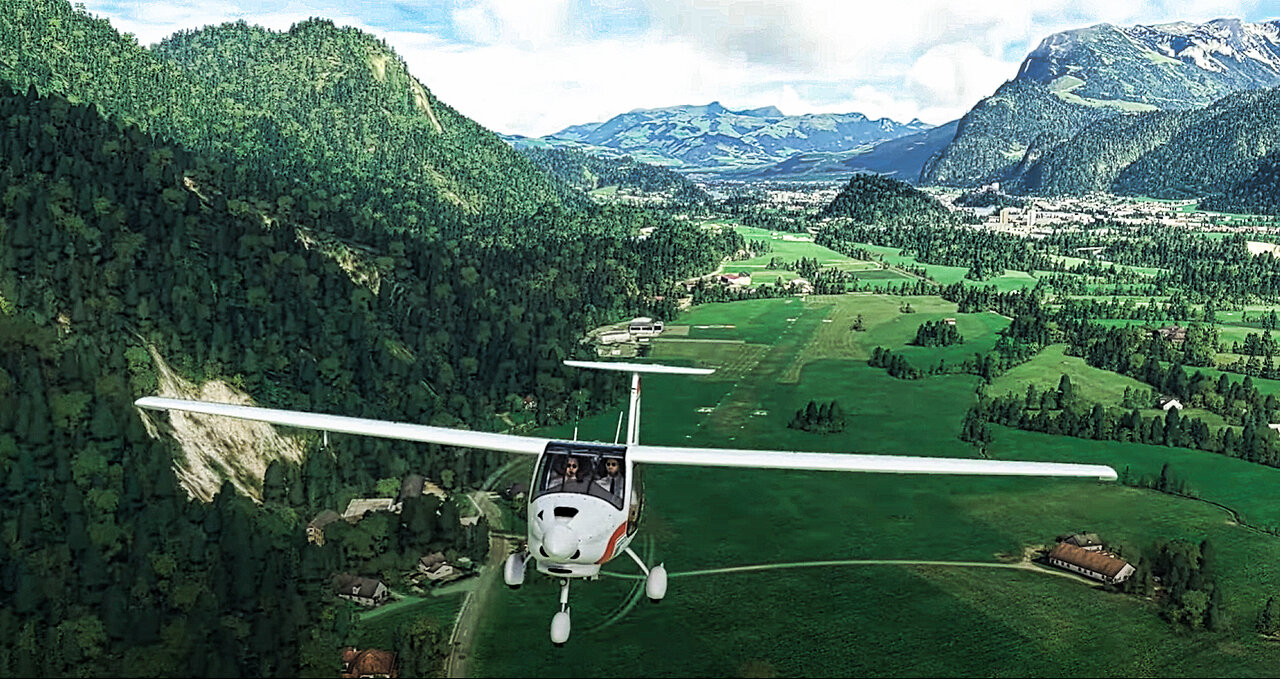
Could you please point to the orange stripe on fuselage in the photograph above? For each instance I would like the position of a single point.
(613, 540)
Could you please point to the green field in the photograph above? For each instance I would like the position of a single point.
(878, 619)
(1046, 369)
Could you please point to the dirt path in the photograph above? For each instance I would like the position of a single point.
(462, 639)
(1021, 565)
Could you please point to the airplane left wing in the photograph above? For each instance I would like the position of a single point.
(403, 431)
(852, 462)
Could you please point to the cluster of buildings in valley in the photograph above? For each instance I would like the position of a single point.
(624, 340)
(1040, 217)
(432, 568)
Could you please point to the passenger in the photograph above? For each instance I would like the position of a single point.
(613, 480)
(572, 480)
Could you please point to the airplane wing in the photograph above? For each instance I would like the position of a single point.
(355, 425)
(710, 457)
(897, 464)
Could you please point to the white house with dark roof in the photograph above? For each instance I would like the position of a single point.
(364, 591)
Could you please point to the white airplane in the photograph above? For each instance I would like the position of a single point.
(586, 497)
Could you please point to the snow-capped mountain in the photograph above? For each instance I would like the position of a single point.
(1079, 77)
(713, 137)
(1173, 65)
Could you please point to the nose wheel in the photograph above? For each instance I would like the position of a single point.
(560, 621)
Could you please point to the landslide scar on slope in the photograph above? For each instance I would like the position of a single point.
(215, 449)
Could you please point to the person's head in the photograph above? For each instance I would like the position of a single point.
(613, 467)
(572, 467)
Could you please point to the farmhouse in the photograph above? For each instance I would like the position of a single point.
(315, 529)
(364, 591)
(368, 662)
(738, 279)
(1167, 403)
(1093, 564)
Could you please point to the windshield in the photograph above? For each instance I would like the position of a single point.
(594, 470)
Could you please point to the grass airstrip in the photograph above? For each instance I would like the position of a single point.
(988, 616)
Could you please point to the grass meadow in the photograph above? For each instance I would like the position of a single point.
(878, 619)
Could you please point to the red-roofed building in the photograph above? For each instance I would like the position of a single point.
(368, 662)
(1092, 564)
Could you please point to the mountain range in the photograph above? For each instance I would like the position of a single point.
(711, 137)
(1047, 130)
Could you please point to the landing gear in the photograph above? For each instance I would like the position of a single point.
(513, 569)
(560, 621)
(655, 582)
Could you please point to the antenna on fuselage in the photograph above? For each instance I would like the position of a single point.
(636, 369)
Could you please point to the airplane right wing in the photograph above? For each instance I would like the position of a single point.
(852, 462)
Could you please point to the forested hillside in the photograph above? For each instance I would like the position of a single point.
(1219, 147)
(880, 200)
(1000, 130)
(1166, 154)
(588, 172)
(330, 107)
(1257, 193)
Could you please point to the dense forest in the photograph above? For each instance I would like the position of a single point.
(880, 200)
(1019, 121)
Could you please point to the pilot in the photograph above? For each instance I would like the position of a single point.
(573, 480)
(612, 480)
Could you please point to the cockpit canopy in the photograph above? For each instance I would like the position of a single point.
(588, 469)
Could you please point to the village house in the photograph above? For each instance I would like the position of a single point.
(800, 286)
(368, 662)
(1167, 403)
(435, 567)
(364, 591)
(315, 529)
(361, 506)
(1087, 541)
(741, 280)
(516, 491)
(1173, 333)
(1097, 565)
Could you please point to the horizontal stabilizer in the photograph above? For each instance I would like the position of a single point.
(355, 425)
(640, 368)
(894, 464)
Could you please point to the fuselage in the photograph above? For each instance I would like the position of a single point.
(584, 504)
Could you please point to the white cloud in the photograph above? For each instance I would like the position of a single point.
(535, 66)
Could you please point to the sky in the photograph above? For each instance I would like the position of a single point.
(533, 67)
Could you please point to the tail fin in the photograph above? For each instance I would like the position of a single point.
(633, 418)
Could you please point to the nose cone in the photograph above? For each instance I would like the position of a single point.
(560, 542)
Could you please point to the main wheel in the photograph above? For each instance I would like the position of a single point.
(513, 570)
